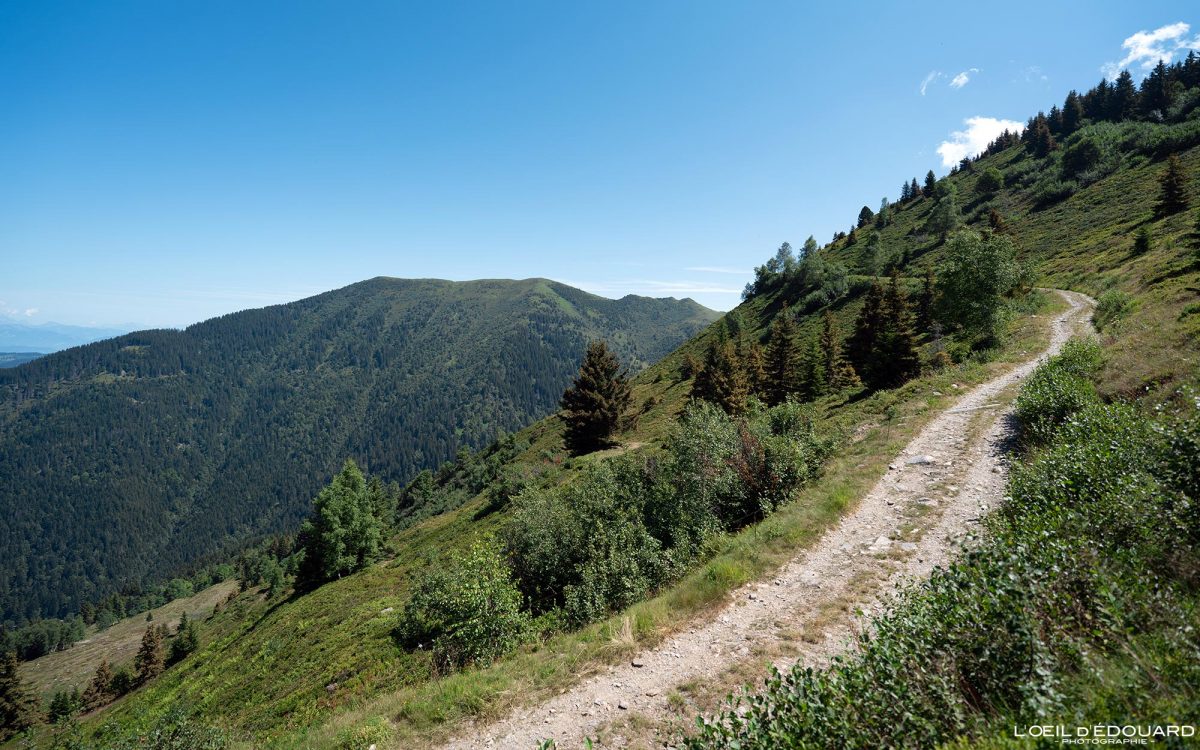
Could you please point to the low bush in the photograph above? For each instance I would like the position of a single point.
(1111, 308)
(467, 611)
(1056, 390)
(1079, 602)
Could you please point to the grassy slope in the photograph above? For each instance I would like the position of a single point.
(267, 677)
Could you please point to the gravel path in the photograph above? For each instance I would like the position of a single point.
(913, 519)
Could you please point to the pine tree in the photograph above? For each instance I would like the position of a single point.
(149, 659)
(99, 691)
(897, 347)
(905, 193)
(1072, 114)
(17, 706)
(914, 189)
(838, 371)
(1172, 184)
(925, 304)
(722, 380)
(1122, 98)
(186, 640)
(594, 403)
(1141, 241)
(809, 248)
(884, 217)
(782, 360)
(867, 329)
(865, 216)
(754, 362)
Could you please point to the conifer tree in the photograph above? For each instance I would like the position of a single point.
(17, 707)
(930, 184)
(1142, 241)
(812, 383)
(722, 380)
(99, 691)
(1172, 184)
(149, 659)
(1072, 114)
(754, 362)
(926, 302)
(838, 371)
(896, 351)
(944, 217)
(884, 217)
(186, 640)
(1122, 98)
(867, 329)
(782, 360)
(865, 216)
(594, 403)
(809, 248)
(905, 192)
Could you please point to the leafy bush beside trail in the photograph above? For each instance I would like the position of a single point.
(1077, 607)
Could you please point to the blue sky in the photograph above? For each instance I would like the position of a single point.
(167, 162)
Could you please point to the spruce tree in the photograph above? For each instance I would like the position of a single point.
(1142, 241)
(838, 371)
(1172, 184)
(813, 383)
(17, 706)
(595, 401)
(754, 362)
(884, 217)
(722, 380)
(99, 691)
(1072, 114)
(782, 359)
(865, 216)
(149, 659)
(897, 346)
(926, 302)
(930, 184)
(867, 329)
(186, 640)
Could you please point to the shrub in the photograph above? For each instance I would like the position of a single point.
(1141, 241)
(1056, 390)
(467, 611)
(1112, 307)
(990, 181)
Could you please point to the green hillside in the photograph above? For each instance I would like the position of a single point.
(135, 458)
(331, 667)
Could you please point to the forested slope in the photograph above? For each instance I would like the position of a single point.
(134, 457)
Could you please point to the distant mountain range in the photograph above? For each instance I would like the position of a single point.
(20, 336)
(129, 458)
(12, 359)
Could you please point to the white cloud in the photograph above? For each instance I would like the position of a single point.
(980, 131)
(933, 76)
(1145, 48)
(30, 312)
(963, 78)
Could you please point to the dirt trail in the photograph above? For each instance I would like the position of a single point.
(931, 497)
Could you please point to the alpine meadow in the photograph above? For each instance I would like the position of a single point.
(931, 483)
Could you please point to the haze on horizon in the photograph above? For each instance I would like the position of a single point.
(166, 164)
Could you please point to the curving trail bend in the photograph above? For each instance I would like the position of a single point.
(912, 520)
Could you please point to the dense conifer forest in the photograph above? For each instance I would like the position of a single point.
(145, 455)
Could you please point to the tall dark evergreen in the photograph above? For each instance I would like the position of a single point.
(1072, 113)
(865, 216)
(897, 348)
(868, 327)
(722, 380)
(593, 405)
(1172, 187)
(99, 691)
(1122, 98)
(18, 710)
(782, 359)
(813, 382)
(930, 184)
(914, 190)
(148, 662)
(837, 370)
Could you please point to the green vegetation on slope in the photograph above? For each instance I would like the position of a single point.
(130, 459)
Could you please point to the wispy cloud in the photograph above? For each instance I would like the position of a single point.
(963, 78)
(1145, 48)
(980, 131)
(651, 287)
(30, 312)
(718, 269)
(929, 79)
